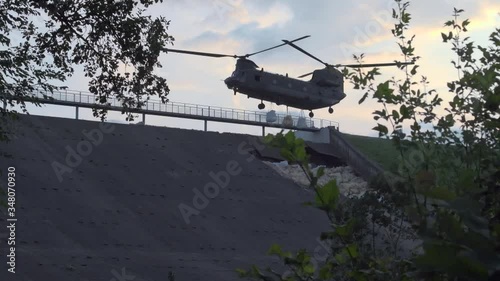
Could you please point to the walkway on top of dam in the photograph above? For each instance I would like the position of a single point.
(206, 113)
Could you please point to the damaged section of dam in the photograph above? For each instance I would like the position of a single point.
(101, 201)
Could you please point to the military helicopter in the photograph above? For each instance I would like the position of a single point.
(325, 89)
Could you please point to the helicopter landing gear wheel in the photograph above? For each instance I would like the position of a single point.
(311, 114)
(262, 105)
(330, 110)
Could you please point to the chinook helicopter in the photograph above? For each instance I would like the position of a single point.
(325, 89)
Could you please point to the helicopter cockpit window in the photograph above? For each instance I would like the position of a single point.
(257, 77)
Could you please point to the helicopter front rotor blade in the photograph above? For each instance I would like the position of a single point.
(277, 46)
(375, 64)
(303, 51)
(199, 53)
(304, 75)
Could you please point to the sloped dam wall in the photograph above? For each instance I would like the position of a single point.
(97, 201)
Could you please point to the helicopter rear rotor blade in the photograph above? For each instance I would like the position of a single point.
(375, 64)
(303, 51)
(214, 55)
(304, 75)
(277, 46)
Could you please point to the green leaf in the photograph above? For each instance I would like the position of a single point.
(340, 258)
(287, 154)
(381, 129)
(290, 139)
(352, 249)
(383, 91)
(274, 250)
(449, 23)
(242, 272)
(325, 272)
(445, 37)
(414, 70)
(363, 98)
(346, 229)
(395, 115)
(299, 153)
(309, 269)
(320, 172)
(405, 113)
(268, 139)
(327, 195)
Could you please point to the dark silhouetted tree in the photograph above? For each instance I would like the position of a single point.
(41, 43)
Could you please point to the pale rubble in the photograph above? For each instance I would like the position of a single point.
(349, 184)
(352, 186)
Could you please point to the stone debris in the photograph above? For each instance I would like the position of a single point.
(350, 185)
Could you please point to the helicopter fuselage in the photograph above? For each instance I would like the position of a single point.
(283, 90)
(325, 89)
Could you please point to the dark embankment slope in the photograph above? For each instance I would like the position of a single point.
(116, 214)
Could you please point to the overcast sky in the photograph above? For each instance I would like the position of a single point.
(337, 28)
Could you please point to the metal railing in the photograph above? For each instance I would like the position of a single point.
(84, 98)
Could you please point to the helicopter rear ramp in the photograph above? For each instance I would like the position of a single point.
(127, 202)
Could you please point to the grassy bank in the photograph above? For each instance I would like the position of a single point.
(379, 150)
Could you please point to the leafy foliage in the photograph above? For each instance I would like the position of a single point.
(44, 40)
(444, 193)
(355, 251)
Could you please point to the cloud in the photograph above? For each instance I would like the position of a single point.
(276, 15)
(338, 29)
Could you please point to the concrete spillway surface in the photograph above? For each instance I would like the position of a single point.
(103, 203)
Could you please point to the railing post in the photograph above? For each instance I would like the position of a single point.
(206, 124)
(144, 118)
(76, 112)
